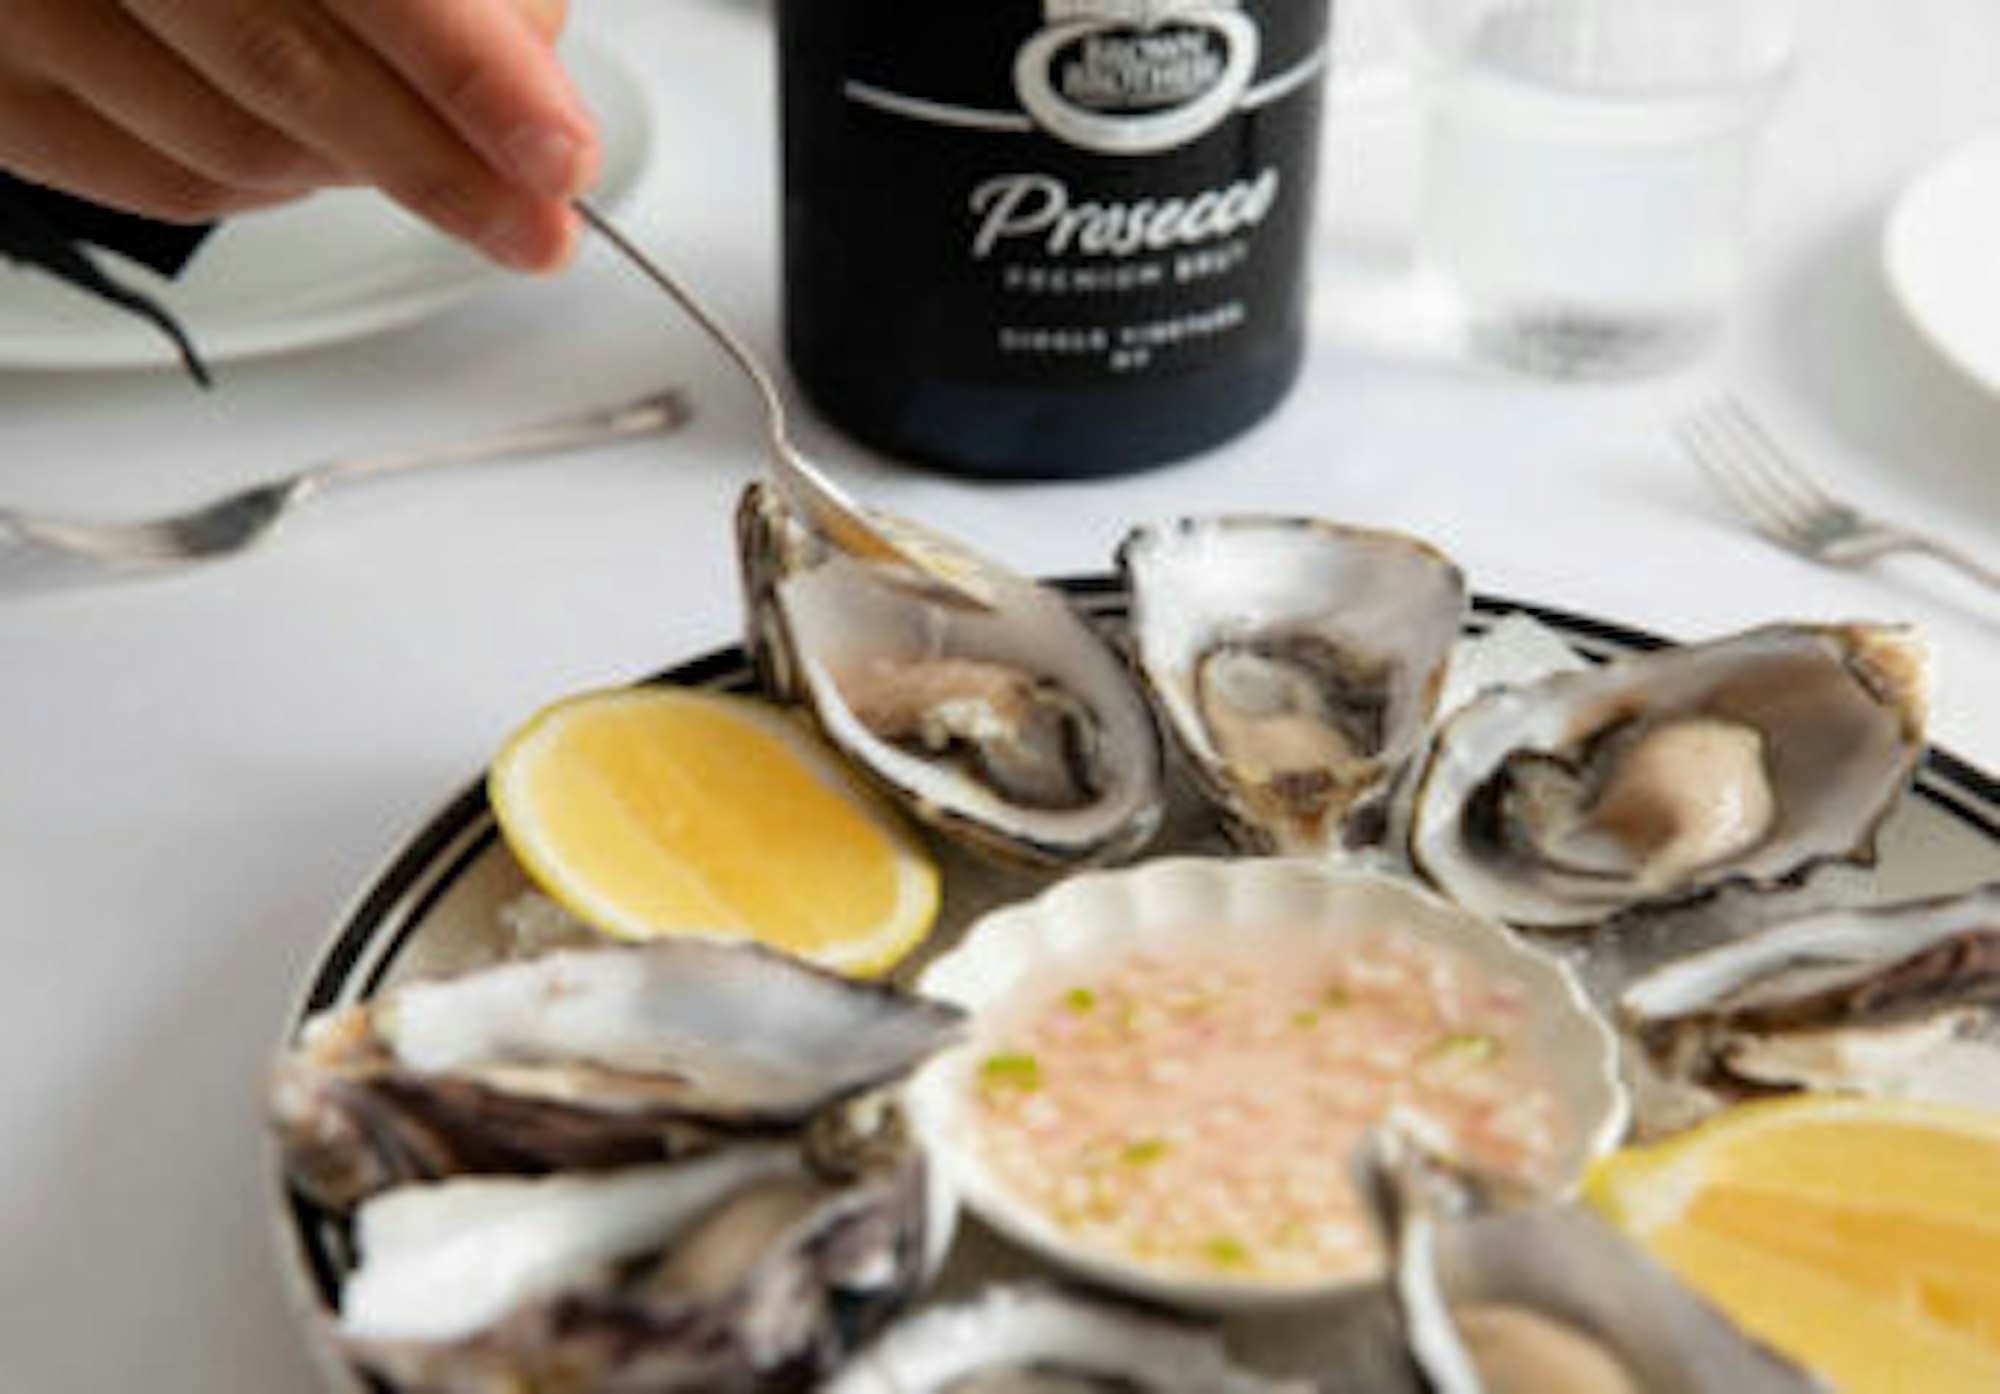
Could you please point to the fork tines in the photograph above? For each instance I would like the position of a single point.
(1749, 469)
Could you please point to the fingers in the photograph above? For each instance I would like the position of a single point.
(190, 109)
(50, 137)
(545, 17)
(456, 108)
(110, 65)
(486, 67)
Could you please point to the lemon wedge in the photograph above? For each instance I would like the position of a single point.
(656, 810)
(1859, 1236)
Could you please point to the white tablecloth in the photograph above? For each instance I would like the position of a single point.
(196, 772)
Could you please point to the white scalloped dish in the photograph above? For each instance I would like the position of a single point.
(1098, 1114)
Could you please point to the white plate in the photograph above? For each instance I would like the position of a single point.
(437, 908)
(1939, 250)
(338, 266)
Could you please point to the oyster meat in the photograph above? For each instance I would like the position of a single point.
(1021, 735)
(738, 1270)
(1016, 727)
(585, 1059)
(1039, 1340)
(1499, 1298)
(1854, 999)
(1297, 662)
(1663, 776)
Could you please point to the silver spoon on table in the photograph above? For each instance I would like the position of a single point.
(917, 559)
(227, 525)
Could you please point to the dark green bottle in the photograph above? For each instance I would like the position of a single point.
(1048, 238)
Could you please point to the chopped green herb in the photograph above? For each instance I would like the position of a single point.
(1144, 1152)
(1225, 1252)
(1465, 1048)
(1305, 1018)
(1079, 999)
(1018, 1071)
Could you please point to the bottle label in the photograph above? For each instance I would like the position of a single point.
(1064, 191)
(1130, 77)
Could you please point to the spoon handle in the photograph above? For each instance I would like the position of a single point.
(774, 404)
(836, 516)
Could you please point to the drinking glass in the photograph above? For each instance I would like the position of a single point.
(1588, 171)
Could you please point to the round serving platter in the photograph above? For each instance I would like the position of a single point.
(439, 906)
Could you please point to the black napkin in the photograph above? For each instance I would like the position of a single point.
(43, 228)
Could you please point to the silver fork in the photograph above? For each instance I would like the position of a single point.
(235, 521)
(1760, 481)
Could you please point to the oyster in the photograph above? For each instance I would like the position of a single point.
(1665, 775)
(735, 1271)
(1542, 1300)
(1034, 1340)
(584, 1058)
(1844, 999)
(1297, 662)
(1016, 728)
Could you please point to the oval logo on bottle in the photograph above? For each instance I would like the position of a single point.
(1130, 77)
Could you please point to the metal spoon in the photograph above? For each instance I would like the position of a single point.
(919, 559)
(235, 521)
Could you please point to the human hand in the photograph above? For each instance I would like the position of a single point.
(188, 110)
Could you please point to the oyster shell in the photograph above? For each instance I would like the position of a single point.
(1016, 728)
(1298, 663)
(734, 1271)
(1037, 1340)
(1542, 1300)
(1662, 776)
(1843, 999)
(584, 1058)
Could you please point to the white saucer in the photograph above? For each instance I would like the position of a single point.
(1941, 250)
(338, 266)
